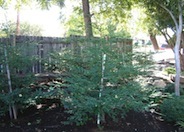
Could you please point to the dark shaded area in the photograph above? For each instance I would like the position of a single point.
(49, 117)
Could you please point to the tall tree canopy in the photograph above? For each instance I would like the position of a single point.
(44, 4)
(169, 14)
(99, 17)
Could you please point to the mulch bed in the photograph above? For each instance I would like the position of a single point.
(49, 118)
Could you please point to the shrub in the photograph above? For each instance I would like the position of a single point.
(99, 86)
(21, 76)
(173, 109)
(19, 66)
(170, 70)
(20, 97)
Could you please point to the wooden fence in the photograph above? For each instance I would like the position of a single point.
(41, 47)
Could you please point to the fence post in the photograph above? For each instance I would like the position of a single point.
(12, 40)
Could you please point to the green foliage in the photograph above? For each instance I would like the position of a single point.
(18, 96)
(75, 25)
(173, 109)
(107, 27)
(24, 92)
(21, 77)
(117, 9)
(170, 70)
(159, 14)
(180, 123)
(19, 65)
(25, 29)
(102, 26)
(25, 97)
(45, 4)
(154, 96)
(83, 70)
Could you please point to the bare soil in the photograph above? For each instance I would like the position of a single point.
(49, 117)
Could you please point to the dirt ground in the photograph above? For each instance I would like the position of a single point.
(50, 119)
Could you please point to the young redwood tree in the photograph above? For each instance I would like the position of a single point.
(100, 81)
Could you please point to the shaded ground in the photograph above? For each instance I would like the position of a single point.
(50, 119)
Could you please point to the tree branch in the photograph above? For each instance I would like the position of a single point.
(180, 14)
(171, 14)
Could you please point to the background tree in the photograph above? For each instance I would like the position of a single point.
(100, 22)
(87, 18)
(101, 26)
(19, 4)
(152, 31)
(25, 29)
(44, 4)
(173, 9)
(158, 21)
(75, 24)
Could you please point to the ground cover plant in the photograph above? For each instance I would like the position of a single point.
(172, 109)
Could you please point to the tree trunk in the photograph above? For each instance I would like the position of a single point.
(182, 61)
(154, 41)
(171, 44)
(18, 22)
(177, 64)
(87, 18)
(182, 53)
(179, 28)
